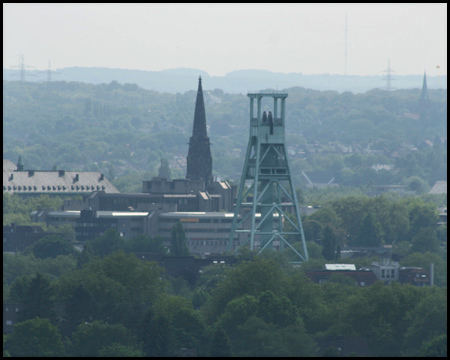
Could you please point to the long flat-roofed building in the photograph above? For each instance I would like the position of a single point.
(206, 232)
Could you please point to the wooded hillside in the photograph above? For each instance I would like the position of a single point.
(123, 131)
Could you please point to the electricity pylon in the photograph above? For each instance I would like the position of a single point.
(273, 201)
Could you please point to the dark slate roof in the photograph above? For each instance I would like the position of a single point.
(360, 276)
(55, 182)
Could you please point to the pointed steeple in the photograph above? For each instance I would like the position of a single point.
(199, 115)
(424, 105)
(199, 160)
(424, 97)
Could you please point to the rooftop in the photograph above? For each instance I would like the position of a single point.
(55, 182)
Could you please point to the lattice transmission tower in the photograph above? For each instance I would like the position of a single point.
(389, 77)
(267, 208)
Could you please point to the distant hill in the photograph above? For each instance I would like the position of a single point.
(241, 81)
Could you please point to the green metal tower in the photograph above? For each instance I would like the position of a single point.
(266, 193)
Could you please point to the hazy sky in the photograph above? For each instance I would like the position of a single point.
(219, 38)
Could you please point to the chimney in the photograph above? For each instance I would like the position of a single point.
(30, 172)
(102, 177)
(76, 178)
(11, 177)
(61, 172)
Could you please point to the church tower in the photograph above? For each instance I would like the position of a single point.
(199, 160)
(424, 100)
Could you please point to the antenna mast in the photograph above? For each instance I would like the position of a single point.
(388, 77)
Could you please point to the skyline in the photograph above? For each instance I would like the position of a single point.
(221, 38)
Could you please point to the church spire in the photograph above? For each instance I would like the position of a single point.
(199, 115)
(199, 160)
(424, 100)
(424, 97)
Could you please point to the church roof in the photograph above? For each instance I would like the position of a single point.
(55, 182)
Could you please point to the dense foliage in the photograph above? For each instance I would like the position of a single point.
(124, 131)
(262, 307)
(116, 303)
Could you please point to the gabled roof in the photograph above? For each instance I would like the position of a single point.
(55, 182)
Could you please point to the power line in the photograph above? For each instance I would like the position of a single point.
(22, 68)
(388, 77)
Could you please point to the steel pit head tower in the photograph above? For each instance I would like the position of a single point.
(270, 216)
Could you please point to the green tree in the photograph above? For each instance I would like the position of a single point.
(329, 244)
(35, 338)
(90, 338)
(426, 321)
(371, 232)
(52, 246)
(237, 311)
(118, 350)
(80, 308)
(156, 335)
(436, 347)
(421, 215)
(425, 240)
(257, 338)
(249, 277)
(120, 284)
(38, 299)
(85, 256)
(189, 330)
(5, 352)
(178, 240)
(145, 243)
(106, 244)
(275, 310)
(220, 345)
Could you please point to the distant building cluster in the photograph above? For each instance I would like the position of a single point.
(203, 205)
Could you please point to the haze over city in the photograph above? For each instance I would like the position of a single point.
(220, 38)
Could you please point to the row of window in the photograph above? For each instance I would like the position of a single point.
(54, 187)
(211, 243)
(113, 225)
(193, 230)
(387, 274)
(202, 221)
